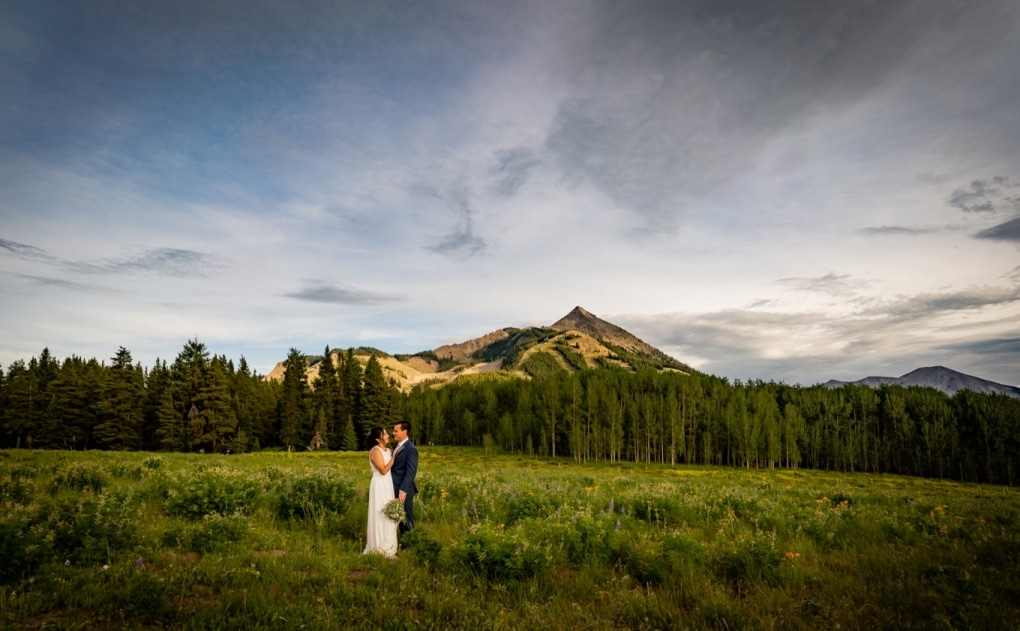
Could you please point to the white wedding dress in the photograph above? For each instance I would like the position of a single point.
(382, 531)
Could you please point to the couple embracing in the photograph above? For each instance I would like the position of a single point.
(392, 477)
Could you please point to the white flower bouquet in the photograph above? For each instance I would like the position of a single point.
(394, 511)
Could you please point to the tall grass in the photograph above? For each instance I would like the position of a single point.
(274, 540)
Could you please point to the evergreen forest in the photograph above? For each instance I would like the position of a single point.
(206, 403)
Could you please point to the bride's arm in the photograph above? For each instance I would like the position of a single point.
(377, 459)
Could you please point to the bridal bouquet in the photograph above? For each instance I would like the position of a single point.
(394, 511)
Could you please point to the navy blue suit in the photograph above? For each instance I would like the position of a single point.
(405, 467)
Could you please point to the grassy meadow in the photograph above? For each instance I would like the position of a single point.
(274, 540)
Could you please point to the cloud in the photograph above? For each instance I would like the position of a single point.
(331, 294)
(56, 282)
(895, 230)
(927, 305)
(27, 252)
(161, 261)
(982, 195)
(512, 168)
(164, 261)
(462, 240)
(831, 283)
(1008, 231)
(996, 346)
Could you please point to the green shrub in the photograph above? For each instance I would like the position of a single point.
(221, 491)
(79, 476)
(751, 561)
(423, 547)
(524, 507)
(658, 509)
(213, 533)
(153, 462)
(16, 486)
(313, 495)
(499, 557)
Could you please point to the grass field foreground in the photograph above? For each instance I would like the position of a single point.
(274, 540)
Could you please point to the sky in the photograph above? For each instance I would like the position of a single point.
(777, 190)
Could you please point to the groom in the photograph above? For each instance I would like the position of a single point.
(405, 466)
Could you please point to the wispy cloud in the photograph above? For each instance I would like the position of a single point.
(983, 195)
(332, 294)
(161, 261)
(831, 283)
(57, 282)
(27, 252)
(895, 230)
(511, 169)
(927, 305)
(463, 240)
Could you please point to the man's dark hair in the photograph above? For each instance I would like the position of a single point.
(404, 425)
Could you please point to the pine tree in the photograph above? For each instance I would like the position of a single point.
(375, 397)
(350, 400)
(327, 391)
(218, 422)
(292, 409)
(121, 404)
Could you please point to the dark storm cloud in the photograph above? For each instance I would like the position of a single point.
(1008, 231)
(321, 292)
(983, 196)
(511, 170)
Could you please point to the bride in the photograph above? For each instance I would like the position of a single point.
(382, 531)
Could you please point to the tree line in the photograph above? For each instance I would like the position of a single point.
(205, 403)
(198, 403)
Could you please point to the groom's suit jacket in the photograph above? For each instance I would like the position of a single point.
(405, 467)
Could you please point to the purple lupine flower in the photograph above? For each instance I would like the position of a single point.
(140, 562)
(612, 506)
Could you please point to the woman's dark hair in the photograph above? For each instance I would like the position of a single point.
(373, 436)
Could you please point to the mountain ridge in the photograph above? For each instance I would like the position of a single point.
(941, 378)
(577, 341)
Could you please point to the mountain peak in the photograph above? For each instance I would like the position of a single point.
(579, 319)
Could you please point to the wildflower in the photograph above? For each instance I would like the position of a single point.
(105, 567)
(139, 562)
(574, 520)
(443, 494)
(612, 505)
(67, 562)
(617, 524)
(792, 555)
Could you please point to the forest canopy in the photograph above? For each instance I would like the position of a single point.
(205, 403)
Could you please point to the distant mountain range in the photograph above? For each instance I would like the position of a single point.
(576, 341)
(582, 340)
(938, 377)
